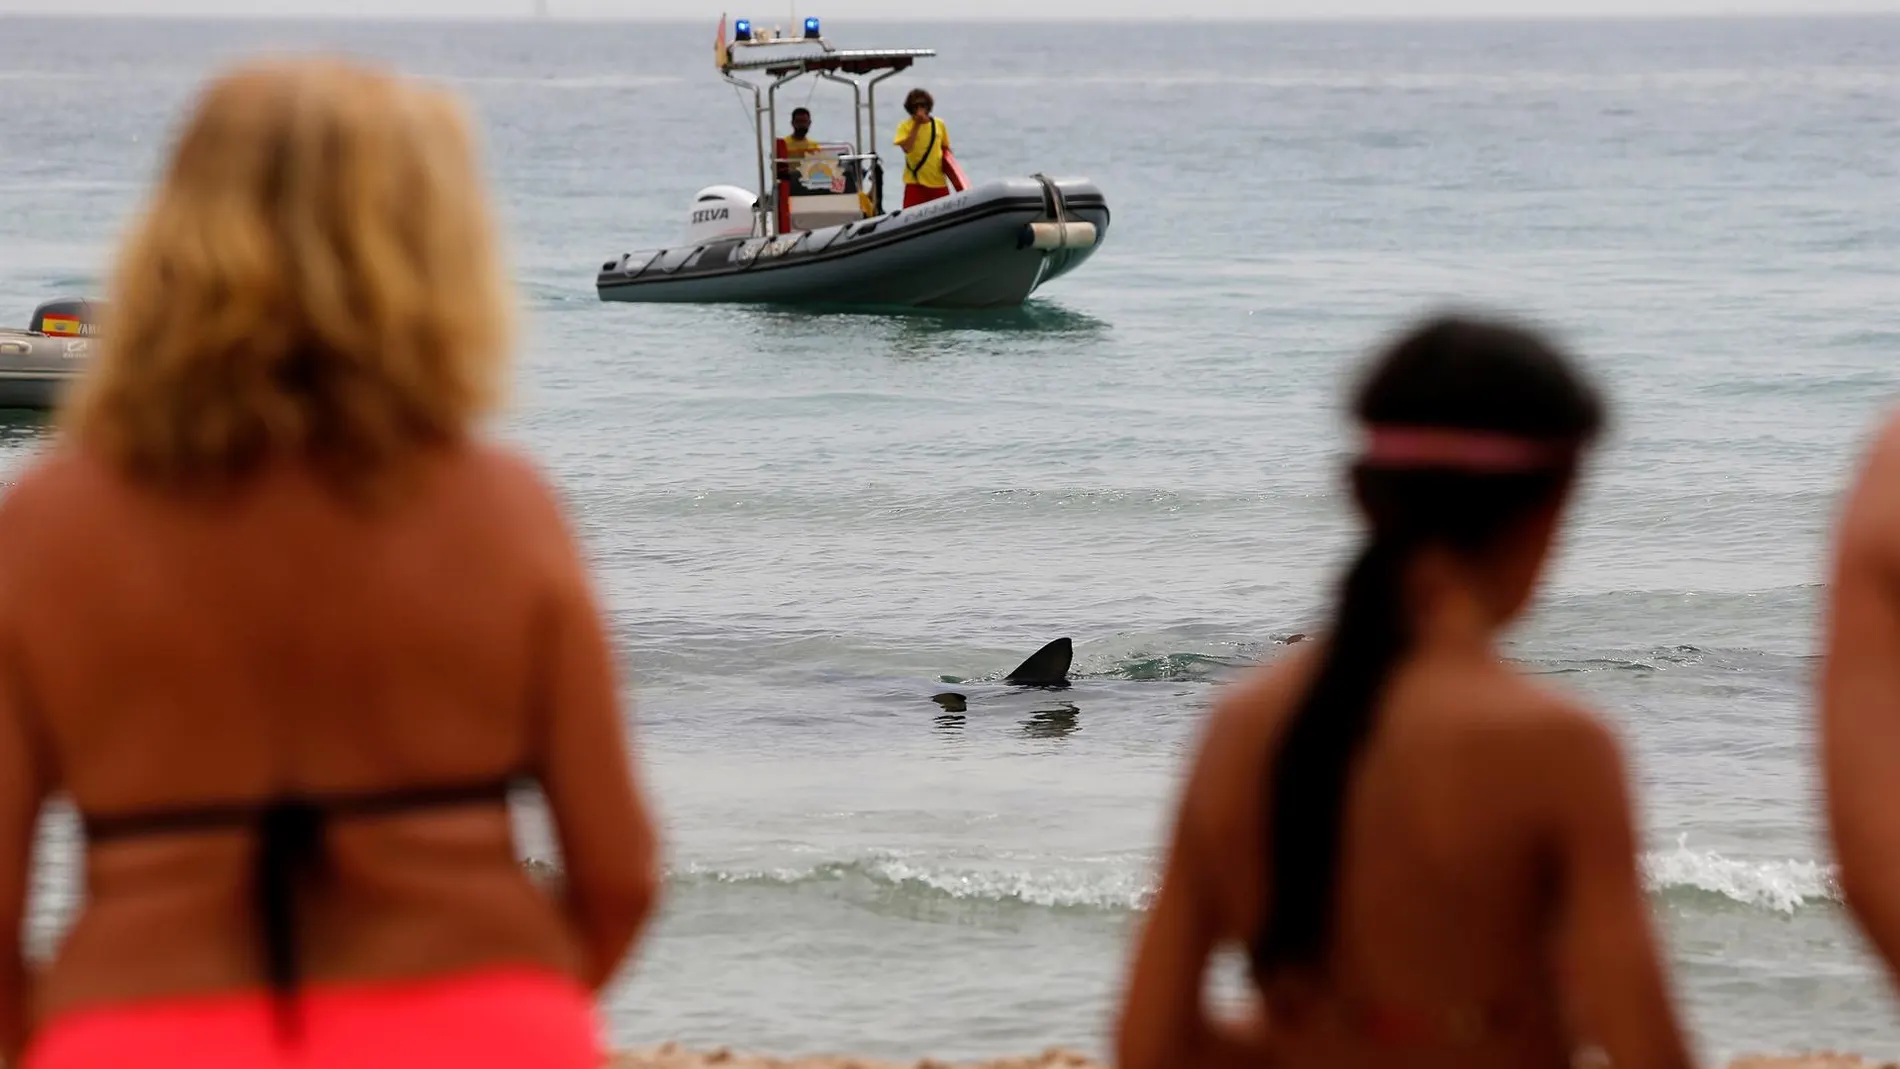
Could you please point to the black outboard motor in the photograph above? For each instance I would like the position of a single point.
(69, 317)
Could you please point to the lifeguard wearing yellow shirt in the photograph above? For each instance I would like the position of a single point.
(796, 147)
(924, 139)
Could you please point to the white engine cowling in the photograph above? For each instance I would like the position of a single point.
(721, 212)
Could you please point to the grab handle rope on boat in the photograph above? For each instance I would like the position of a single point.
(1056, 206)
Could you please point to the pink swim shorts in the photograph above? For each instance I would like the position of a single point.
(515, 1018)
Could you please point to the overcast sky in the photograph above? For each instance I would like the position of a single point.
(859, 9)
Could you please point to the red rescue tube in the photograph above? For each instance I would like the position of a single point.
(954, 173)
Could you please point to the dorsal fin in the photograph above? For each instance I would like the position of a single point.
(1047, 667)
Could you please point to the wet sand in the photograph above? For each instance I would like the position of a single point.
(674, 1057)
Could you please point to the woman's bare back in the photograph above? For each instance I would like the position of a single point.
(1482, 815)
(1428, 860)
(174, 654)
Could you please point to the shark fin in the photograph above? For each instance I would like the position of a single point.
(1047, 667)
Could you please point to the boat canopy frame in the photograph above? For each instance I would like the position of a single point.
(816, 58)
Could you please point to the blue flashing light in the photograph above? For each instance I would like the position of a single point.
(811, 26)
(742, 30)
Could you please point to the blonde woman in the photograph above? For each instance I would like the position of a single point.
(286, 632)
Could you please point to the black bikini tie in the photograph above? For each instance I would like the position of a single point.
(291, 833)
(289, 848)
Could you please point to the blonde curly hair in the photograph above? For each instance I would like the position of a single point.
(316, 278)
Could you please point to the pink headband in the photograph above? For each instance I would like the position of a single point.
(1479, 451)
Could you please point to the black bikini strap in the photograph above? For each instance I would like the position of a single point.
(290, 851)
(238, 814)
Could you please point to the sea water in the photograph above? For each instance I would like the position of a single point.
(803, 524)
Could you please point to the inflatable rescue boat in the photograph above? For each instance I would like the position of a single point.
(820, 234)
(38, 363)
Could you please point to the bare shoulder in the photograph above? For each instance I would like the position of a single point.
(1871, 511)
(1255, 702)
(1557, 743)
(531, 512)
(1242, 723)
(511, 470)
(57, 465)
(1885, 448)
(522, 485)
(59, 480)
(1538, 713)
(1575, 734)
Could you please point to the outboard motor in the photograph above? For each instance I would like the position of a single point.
(68, 317)
(721, 212)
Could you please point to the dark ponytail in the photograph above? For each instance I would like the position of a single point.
(1317, 749)
(1450, 373)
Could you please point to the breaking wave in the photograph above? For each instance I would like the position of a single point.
(1681, 878)
(1684, 876)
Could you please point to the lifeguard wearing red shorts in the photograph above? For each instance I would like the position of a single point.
(924, 139)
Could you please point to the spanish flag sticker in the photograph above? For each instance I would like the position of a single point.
(60, 324)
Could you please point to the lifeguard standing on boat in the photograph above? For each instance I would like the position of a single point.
(929, 167)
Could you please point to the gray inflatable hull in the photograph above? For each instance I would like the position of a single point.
(36, 369)
(973, 249)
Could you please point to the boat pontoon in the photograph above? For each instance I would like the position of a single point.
(37, 364)
(820, 233)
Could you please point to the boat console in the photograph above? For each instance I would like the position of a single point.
(824, 188)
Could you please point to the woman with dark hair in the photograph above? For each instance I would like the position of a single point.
(1429, 859)
(925, 141)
